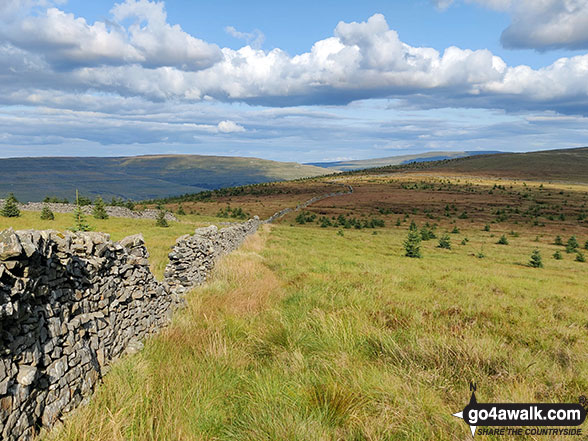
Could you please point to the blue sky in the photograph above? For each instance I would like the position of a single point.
(303, 81)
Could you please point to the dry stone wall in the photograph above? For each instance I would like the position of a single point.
(193, 256)
(324, 196)
(70, 303)
(299, 207)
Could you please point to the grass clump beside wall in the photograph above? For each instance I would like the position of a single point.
(306, 335)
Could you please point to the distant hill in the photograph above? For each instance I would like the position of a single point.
(570, 165)
(395, 160)
(139, 177)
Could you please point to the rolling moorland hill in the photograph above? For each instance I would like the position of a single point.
(395, 160)
(322, 326)
(140, 177)
(566, 165)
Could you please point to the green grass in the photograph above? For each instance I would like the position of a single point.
(567, 165)
(314, 336)
(158, 240)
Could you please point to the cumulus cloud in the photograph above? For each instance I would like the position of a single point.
(548, 24)
(541, 25)
(139, 54)
(10, 8)
(138, 80)
(361, 60)
(68, 42)
(160, 43)
(230, 127)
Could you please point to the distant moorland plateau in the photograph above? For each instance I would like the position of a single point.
(161, 176)
(139, 177)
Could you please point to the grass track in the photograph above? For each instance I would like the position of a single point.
(306, 335)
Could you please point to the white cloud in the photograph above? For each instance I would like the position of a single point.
(163, 44)
(548, 24)
(230, 127)
(10, 8)
(66, 40)
(116, 126)
(255, 39)
(539, 24)
(55, 51)
(69, 42)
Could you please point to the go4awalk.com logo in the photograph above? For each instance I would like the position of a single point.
(523, 418)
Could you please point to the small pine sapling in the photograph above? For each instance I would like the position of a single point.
(557, 255)
(445, 242)
(99, 210)
(572, 244)
(10, 208)
(80, 223)
(46, 213)
(536, 261)
(558, 240)
(412, 245)
(161, 221)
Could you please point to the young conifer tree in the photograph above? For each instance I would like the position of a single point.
(557, 255)
(80, 223)
(161, 221)
(572, 244)
(503, 240)
(46, 213)
(99, 211)
(536, 261)
(412, 244)
(445, 242)
(10, 208)
(558, 240)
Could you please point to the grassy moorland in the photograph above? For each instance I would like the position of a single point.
(560, 165)
(321, 329)
(261, 199)
(311, 333)
(566, 165)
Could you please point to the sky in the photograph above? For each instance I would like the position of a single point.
(303, 81)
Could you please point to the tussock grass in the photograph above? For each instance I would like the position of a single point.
(305, 335)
